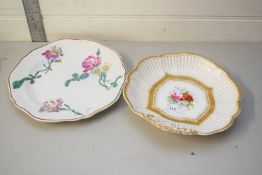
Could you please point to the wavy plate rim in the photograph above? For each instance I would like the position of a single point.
(28, 113)
(171, 129)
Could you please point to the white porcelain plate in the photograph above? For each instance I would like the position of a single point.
(183, 93)
(67, 80)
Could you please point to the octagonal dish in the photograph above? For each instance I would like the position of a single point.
(183, 93)
(67, 80)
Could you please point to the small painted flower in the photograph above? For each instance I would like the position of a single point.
(52, 106)
(90, 63)
(57, 106)
(53, 54)
(187, 97)
(180, 98)
(96, 70)
(105, 67)
(176, 96)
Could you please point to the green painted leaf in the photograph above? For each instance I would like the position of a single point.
(83, 76)
(67, 82)
(67, 106)
(17, 84)
(102, 80)
(190, 104)
(114, 84)
(78, 113)
(98, 52)
(169, 99)
(32, 81)
(75, 75)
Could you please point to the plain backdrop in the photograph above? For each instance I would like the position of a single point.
(138, 20)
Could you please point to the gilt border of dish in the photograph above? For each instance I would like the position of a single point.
(159, 125)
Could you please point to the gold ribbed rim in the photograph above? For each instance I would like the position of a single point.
(170, 129)
(65, 120)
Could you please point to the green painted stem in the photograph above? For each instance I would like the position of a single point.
(67, 108)
(76, 77)
(103, 81)
(31, 78)
(114, 84)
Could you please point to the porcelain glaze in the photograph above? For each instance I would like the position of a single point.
(67, 80)
(183, 93)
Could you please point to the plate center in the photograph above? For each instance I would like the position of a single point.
(181, 98)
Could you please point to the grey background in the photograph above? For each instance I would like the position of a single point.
(117, 141)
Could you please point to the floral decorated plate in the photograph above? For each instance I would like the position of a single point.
(67, 80)
(183, 93)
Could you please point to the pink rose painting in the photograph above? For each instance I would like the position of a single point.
(93, 65)
(91, 62)
(176, 96)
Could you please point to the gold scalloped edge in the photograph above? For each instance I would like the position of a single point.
(171, 129)
(66, 120)
(184, 131)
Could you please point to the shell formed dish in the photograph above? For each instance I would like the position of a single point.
(67, 80)
(183, 93)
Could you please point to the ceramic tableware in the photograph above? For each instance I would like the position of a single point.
(183, 93)
(67, 80)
